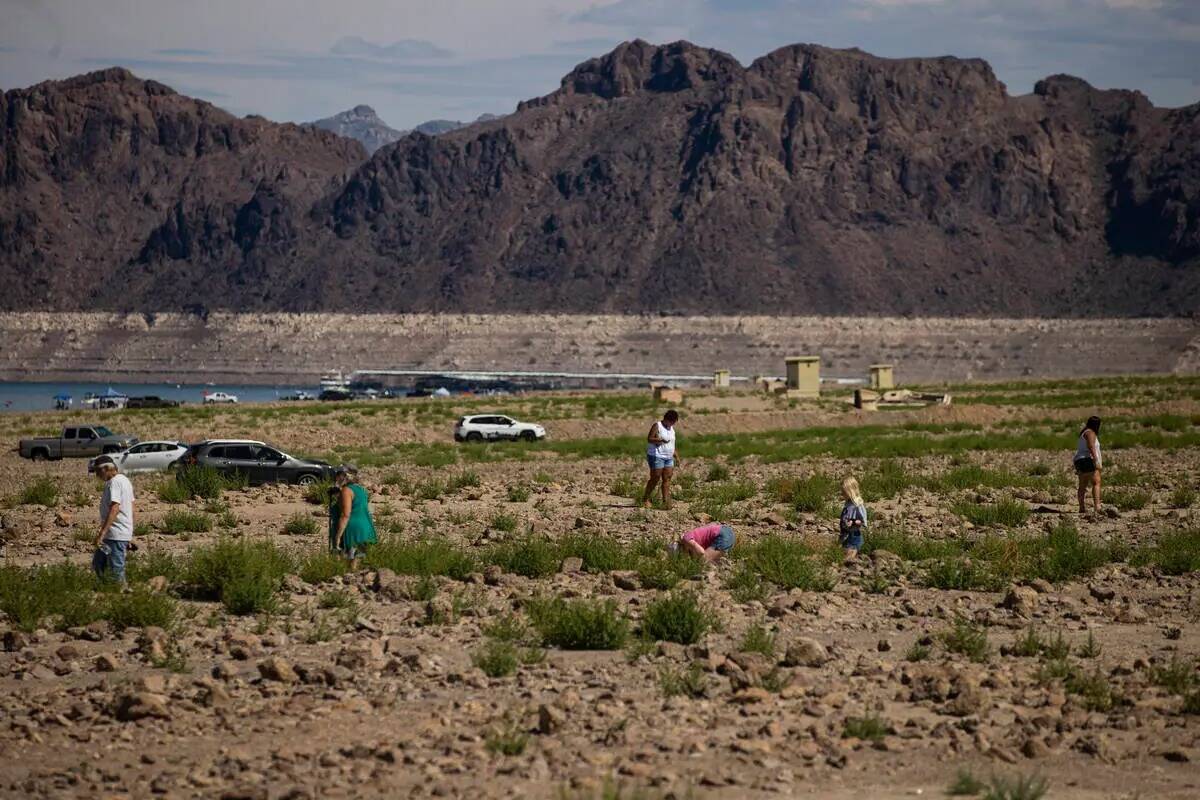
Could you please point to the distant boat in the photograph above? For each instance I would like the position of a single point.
(334, 380)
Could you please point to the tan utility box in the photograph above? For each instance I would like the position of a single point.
(882, 377)
(803, 376)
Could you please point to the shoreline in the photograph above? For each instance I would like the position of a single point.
(277, 348)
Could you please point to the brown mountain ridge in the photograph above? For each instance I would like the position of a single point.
(660, 179)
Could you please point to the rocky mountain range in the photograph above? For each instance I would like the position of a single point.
(363, 124)
(656, 179)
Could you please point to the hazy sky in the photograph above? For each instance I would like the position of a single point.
(304, 59)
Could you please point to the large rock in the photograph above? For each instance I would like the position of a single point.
(139, 705)
(805, 653)
(276, 669)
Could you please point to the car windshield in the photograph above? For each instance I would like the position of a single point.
(102, 431)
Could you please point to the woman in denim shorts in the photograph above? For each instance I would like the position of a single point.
(661, 458)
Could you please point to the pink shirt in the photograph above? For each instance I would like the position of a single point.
(704, 535)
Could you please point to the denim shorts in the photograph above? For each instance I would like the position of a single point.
(725, 539)
(851, 540)
(658, 462)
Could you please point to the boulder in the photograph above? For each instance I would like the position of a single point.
(805, 652)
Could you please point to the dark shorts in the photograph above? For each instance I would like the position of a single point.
(1084, 466)
(851, 540)
(725, 539)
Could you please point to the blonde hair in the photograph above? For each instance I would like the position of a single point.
(850, 490)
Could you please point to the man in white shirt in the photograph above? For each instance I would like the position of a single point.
(116, 521)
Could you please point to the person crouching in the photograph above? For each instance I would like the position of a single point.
(710, 542)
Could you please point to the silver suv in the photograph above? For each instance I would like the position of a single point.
(490, 427)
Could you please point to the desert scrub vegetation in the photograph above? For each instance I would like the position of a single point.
(301, 525)
(871, 728)
(243, 575)
(529, 556)
(1174, 552)
(321, 566)
(67, 595)
(758, 639)
(811, 494)
(1128, 499)
(789, 563)
(1006, 513)
(178, 520)
(966, 638)
(197, 481)
(424, 556)
(578, 624)
(676, 617)
(41, 491)
(690, 681)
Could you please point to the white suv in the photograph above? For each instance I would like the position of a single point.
(220, 397)
(487, 427)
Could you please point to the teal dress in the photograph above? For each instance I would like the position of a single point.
(359, 528)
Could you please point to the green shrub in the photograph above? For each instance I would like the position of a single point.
(518, 494)
(1128, 499)
(140, 608)
(1061, 555)
(745, 586)
(579, 624)
(467, 479)
(506, 523)
(300, 525)
(967, 638)
(717, 472)
(811, 494)
(41, 491)
(178, 520)
(1029, 644)
(319, 492)
(321, 566)
(508, 628)
(965, 783)
(497, 658)
(1022, 787)
(336, 598)
(599, 553)
(1183, 497)
(243, 574)
(677, 617)
(788, 563)
(173, 492)
(426, 556)
(30, 595)
(917, 652)
(1175, 553)
(689, 682)
(150, 564)
(507, 739)
(871, 728)
(530, 556)
(758, 639)
(205, 482)
(1093, 690)
(665, 572)
(1005, 513)
(1177, 677)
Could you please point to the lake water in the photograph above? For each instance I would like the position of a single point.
(39, 396)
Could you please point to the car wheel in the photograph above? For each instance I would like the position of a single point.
(529, 436)
(306, 480)
(474, 436)
(40, 455)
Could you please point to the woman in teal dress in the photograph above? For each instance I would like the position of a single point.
(350, 526)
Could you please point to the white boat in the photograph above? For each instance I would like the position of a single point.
(334, 380)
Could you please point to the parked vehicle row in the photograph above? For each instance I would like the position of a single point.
(75, 442)
(253, 461)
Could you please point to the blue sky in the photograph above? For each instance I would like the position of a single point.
(303, 59)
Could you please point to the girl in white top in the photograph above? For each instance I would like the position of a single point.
(1088, 463)
(660, 457)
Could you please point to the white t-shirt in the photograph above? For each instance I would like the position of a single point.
(667, 448)
(118, 490)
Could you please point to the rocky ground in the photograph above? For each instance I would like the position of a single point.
(369, 684)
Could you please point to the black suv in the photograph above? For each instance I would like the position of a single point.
(151, 401)
(257, 462)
